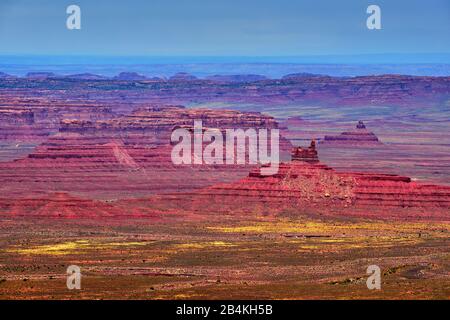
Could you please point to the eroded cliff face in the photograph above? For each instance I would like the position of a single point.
(35, 119)
(127, 156)
(374, 90)
(154, 124)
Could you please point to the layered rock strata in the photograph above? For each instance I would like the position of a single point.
(127, 156)
(302, 184)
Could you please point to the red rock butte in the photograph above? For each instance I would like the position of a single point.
(305, 183)
(306, 154)
(357, 137)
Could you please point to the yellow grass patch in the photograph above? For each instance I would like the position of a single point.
(322, 228)
(72, 247)
(201, 245)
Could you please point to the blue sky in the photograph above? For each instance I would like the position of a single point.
(223, 28)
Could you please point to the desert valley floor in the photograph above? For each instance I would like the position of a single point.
(260, 258)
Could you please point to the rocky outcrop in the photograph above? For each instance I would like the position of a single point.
(360, 136)
(302, 184)
(308, 155)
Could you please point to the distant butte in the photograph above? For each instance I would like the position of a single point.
(130, 76)
(237, 78)
(302, 75)
(357, 137)
(86, 76)
(182, 76)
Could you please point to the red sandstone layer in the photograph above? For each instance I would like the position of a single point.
(128, 156)
(303, 184)
(374, 90)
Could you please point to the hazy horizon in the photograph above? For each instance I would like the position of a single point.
(202, 66)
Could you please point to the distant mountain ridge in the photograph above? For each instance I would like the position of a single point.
(237, 78)
(184, 76)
